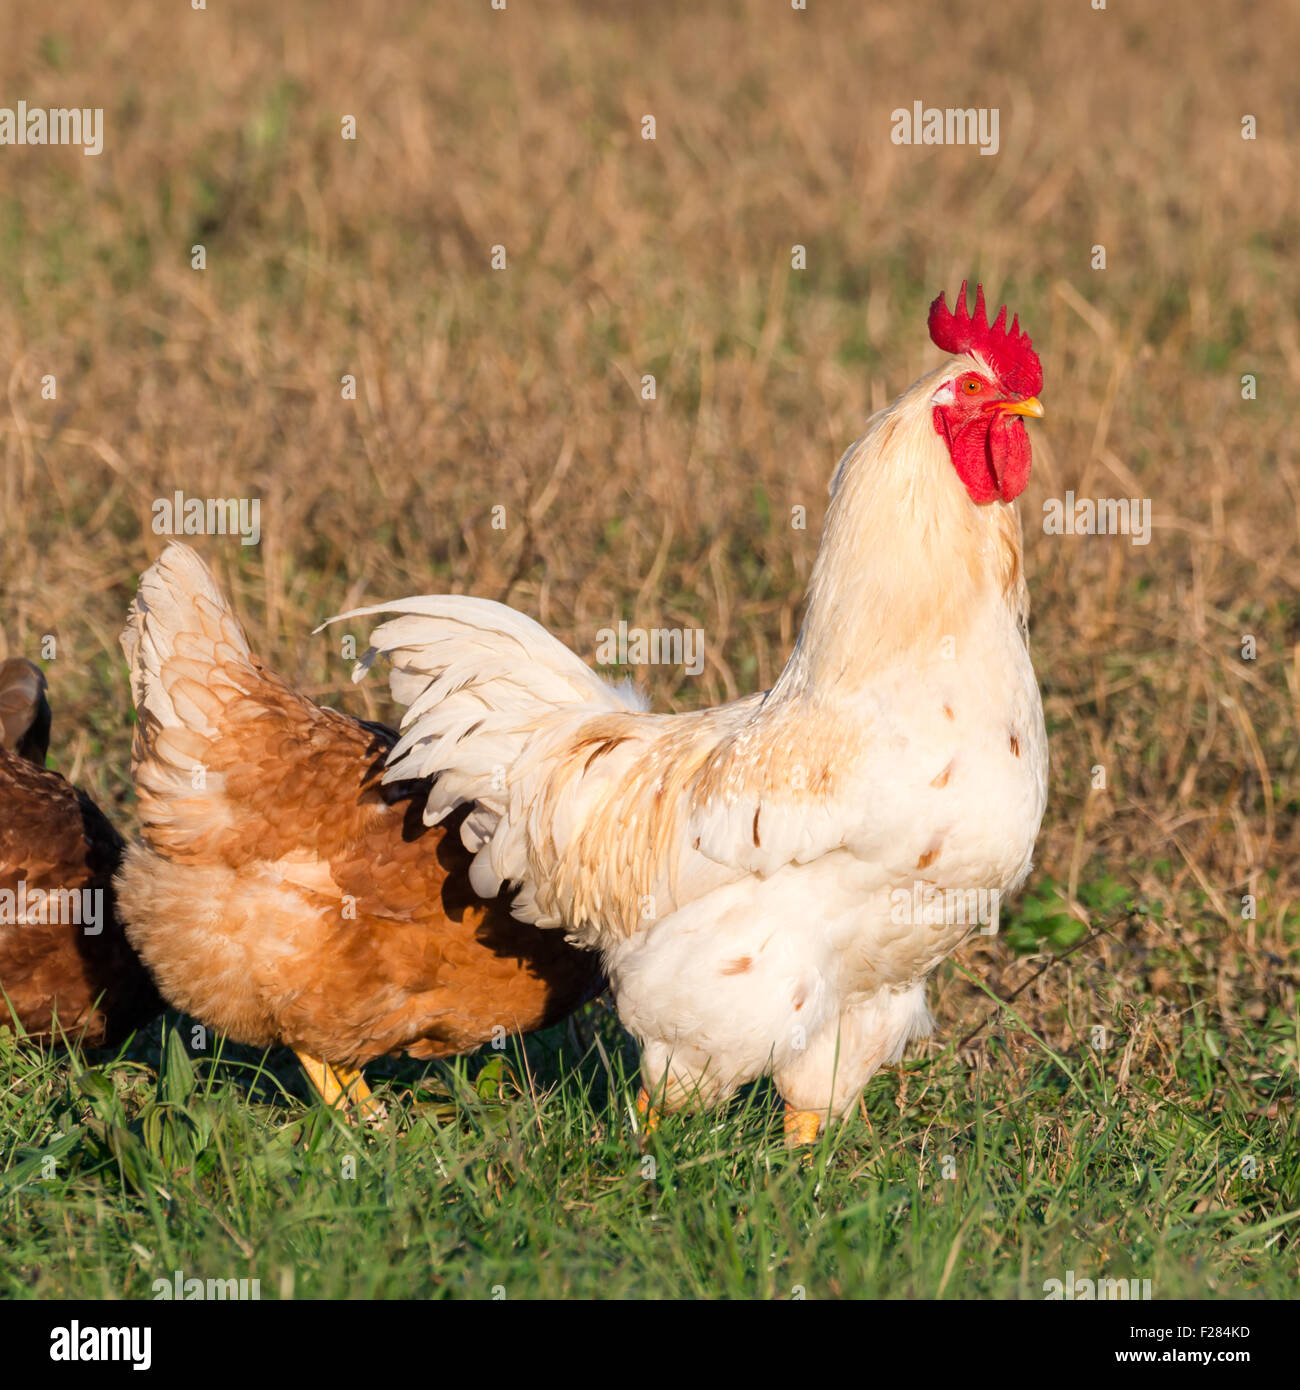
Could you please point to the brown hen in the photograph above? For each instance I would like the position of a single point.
(282, 893)
(65, 967)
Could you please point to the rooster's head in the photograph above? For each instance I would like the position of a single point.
(979, 406)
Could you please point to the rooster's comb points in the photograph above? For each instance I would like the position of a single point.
(1007, 351)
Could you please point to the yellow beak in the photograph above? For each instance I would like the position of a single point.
(1033, 406)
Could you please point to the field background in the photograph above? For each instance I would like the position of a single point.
(1164, 1148)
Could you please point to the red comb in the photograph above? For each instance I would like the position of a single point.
(1007, 351)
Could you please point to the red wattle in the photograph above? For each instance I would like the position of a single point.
(1008, 444)
(990, 452)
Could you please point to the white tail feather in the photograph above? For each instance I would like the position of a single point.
(480, 682)
(185, 649)
(178, 606)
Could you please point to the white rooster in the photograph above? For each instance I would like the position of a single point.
(751, 875)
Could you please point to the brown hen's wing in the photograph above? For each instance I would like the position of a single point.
(284, 894)
(77, 977)
(426, 966)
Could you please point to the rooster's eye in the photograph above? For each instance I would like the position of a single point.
(970, 386)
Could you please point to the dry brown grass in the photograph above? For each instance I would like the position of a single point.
(520, 388)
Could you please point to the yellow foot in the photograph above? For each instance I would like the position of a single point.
(342, 1088)
(801, 1127)
(648, 1113)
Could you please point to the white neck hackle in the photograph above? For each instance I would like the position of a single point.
(906, 557)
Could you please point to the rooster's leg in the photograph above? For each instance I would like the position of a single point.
(801, 1127)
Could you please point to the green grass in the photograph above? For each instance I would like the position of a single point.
(519, 1175)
